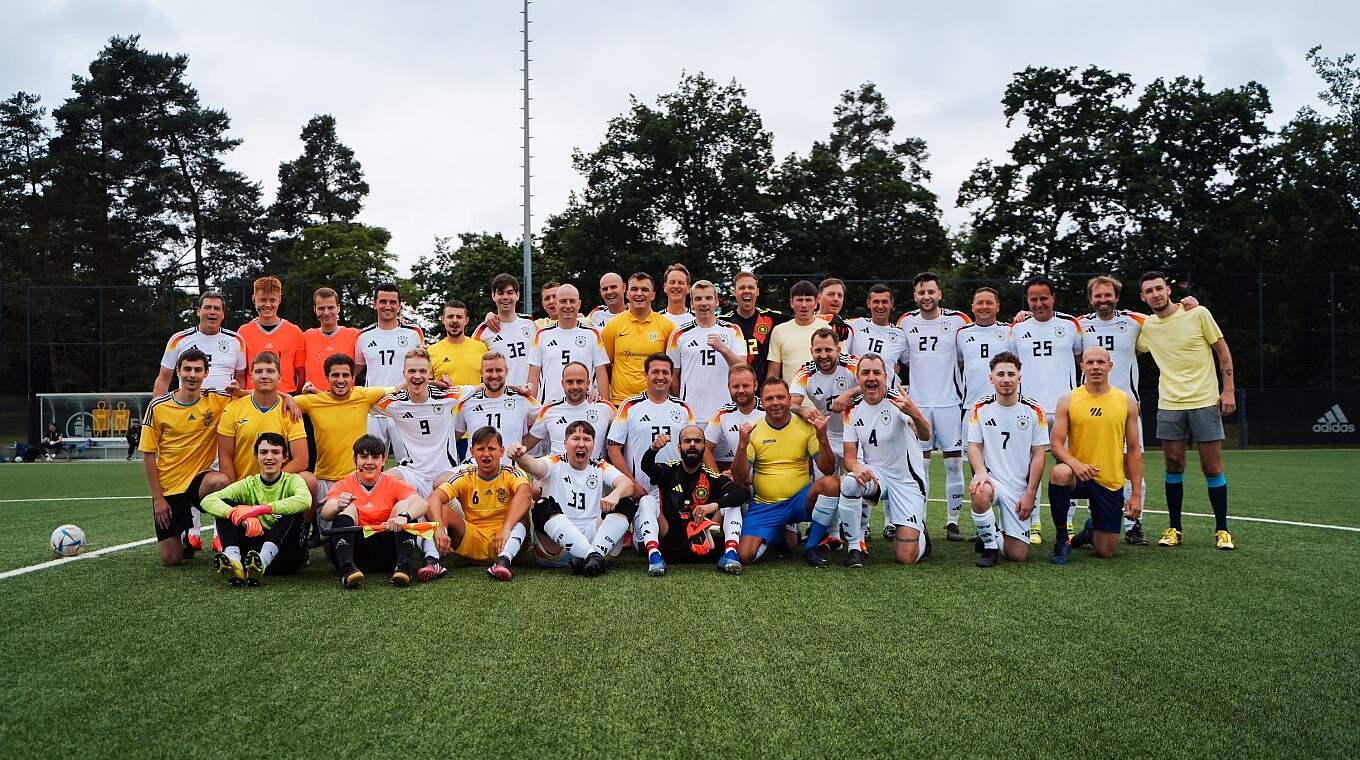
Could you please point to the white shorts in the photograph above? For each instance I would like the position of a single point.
(423, 485)
(946, 429)
(381, 426)
(1011, 525)
(906, 504)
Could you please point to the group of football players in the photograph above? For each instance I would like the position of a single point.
(692, 435)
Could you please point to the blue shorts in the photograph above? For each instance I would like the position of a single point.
(767, 521)
(1107, 507)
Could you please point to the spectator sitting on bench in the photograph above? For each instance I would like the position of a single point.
(52, 442)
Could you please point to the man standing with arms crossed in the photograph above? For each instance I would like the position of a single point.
(1096, 441)
(1189, 403)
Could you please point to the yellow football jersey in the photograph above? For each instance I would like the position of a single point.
(779, 457)
(457, 363)
(485, 502)
(1095, 432)
(244, 420)
(338, 423)
(183, 437)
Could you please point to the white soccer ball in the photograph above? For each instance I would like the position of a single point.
(68, 540)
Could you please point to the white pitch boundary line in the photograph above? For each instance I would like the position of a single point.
(82, 555)
(72, 498)
(1236, 518)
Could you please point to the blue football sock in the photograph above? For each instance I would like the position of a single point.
(815, 535)
(1218, 498)
(1175, 495)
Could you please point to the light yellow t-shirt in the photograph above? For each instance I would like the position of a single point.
(1180, 344)
(791, 346)
(243, 420)
(338, 423)
(457, 363)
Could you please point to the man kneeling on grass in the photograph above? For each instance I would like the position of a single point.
(384, 505)
(258, 519)
(493, 500)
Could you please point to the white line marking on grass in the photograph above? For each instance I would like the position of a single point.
(1243, 519)
(78, 557)
(72, 498)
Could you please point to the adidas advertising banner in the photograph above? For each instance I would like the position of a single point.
(1292, 418)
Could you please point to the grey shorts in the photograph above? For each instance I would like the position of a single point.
(1202, 424)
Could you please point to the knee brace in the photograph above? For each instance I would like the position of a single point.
(543, 510)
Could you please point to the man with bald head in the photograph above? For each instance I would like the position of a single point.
(1097, 443)
(612, 303)
(562, 343)
(700, 506)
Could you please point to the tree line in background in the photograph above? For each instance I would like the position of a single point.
(127, 184)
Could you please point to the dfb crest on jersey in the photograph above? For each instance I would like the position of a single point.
(841, 382)
(675, 415)
(509, 403)
(1000, 334)
(401, 341)
(1122, 326)
(1022, 422)
(223, 345)
(1060, 331)
(592, 481)
(885, 417)
(944, 327)
(593, 416)
(438, 409)
(580, 341)
(893, 337)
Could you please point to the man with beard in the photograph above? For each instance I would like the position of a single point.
(883, 457)
(576, 524)
(552, 420)
(455, 358)
(725, 426)
(820, 381)
(496, 405)
(694, 498)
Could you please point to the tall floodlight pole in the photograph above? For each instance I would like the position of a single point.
(528, 234)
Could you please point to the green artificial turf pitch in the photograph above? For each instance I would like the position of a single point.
(1186, 652)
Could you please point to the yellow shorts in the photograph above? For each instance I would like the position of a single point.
(478, 542)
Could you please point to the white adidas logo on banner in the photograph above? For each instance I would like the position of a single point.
(1334, 421)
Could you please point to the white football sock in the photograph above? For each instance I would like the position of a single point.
(198, 520)
(731, 522)
(851, 510)
(986, 528)
(564, 534)
(428, 548)
(646, 532)
(512, 544)
(268, 552)
(233, 553)
(824, 510)
(865, 512)
(1072, 514)
(953, 487)
(610, 532)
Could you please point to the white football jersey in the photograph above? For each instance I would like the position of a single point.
(513, 342)
(384, 352)
(932, 357)
(724, 428)
(680, 320)
(703, 376)
(821, 388)
(550, 424)
(977, 344)
(888, 341)
(425, 439)
(638, 421)
(1047, 351)
(885, 440)
(1007, 433)
(600, 316)
(554, 348)
(509, 413)
(1119, 336)
(578, 492)
(226, 352)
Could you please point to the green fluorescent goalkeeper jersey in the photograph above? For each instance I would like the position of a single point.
(288, 495)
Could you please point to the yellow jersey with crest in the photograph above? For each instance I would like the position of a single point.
(1095, 432)
(485, 502)
(183, 437)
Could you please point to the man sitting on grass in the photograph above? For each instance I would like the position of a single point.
(258, 517)
(493, 500)
(367, 498)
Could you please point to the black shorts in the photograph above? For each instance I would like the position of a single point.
(286, 533)
(375, 554)
(181, 518)
(1107, 507)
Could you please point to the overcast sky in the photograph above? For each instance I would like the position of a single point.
(427, 93)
